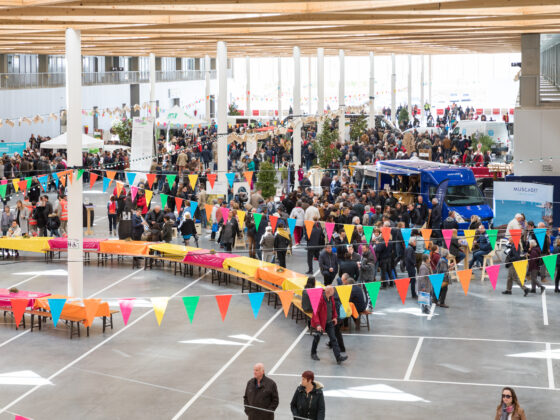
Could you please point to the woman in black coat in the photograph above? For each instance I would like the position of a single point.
(308, 401)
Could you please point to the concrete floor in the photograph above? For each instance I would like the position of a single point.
(409, 366)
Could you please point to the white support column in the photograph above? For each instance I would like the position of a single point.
(207, 86)
(309, 85)
(410, 87)
(248, 85)
(152, 63)
(221, 112)
(341, 106)
(279, 60)
(422, 81)
(320, 87)
(296, 138)
(393, 88)
(371, 120)
(75, 190)
(430, 80)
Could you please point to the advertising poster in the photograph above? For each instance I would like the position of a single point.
(533, 200)
(142, 144)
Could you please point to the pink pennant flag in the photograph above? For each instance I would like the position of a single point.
(329, 227)
(21, 418)
(133, 192)
(225, 214)
(126, 308)
(314, 297)
(493, 272)
(447, 235)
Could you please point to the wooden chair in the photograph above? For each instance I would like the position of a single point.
(452, 260)
(487, 261)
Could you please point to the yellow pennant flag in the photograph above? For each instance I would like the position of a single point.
(344, 296)
(349, 229)
(148, 194)
(192, 180)
(469, 236)
(241, 215)
(521, 269)
(160, 305)
(15, 181)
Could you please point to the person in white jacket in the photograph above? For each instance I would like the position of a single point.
(299, 214)
(514, 223)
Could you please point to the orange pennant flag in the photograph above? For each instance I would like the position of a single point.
(402, 287)
(516, 236)
(208, 208)
(211, 179)
(273, 221)
(92, 179)
(151, 179)
(386, 233)
(286, 297)
(62, 177)
(120, 186)
(92, 305)
(248, 177)
(22, 185)
(426, 234)
(19, 306)
(178, 203)
(223, 304)
(70, 176)
(465, 279)
(309, 227)
(111, 174)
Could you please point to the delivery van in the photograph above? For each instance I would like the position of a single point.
(498, 130)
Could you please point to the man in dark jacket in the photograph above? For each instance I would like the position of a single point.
(484, 247)
(324, 320)
(513, 254)
(410, 264)
(314, 243)
(328, 264)
(261, 396)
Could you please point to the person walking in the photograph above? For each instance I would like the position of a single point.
(267, 245)
(308, 401)
(410, 265)
(512, 254)
(328, 264)
(299, 214)
(314, 244)
(424, 284)
(556, 250)
(261, 396)
(443, 266)
(324, 320)
(509, 408)
(112, 215)
(282, 242)
(535, 262)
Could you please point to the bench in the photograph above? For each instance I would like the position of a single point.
(50, 254)
(297, 310)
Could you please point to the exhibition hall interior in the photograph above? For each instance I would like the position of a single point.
(279, 209)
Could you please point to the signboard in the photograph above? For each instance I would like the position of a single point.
(11, 148)
(533, 200)
(142, 144)
(220, 188)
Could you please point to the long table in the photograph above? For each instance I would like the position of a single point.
(120, 247)
(73, 308)
(35, 244)
(6, 297)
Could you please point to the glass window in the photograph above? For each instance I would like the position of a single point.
(463, 195)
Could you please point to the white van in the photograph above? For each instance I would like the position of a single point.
(423, 130)
(495, 129)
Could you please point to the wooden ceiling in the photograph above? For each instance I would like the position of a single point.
(187, 28)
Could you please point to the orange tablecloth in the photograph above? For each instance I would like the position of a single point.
(125, 247)
(73, 308)
(271, 275)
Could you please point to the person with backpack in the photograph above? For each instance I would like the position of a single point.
(535, 262)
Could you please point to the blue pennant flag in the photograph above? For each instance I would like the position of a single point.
(55, 179)
(130, 176)
(44, 180)
(230, 177)
(194, 206)
(56, 306)
(292, 225)
(106, 182)
(405, 232)
(437, 281)
(256, 302)
(540, 234)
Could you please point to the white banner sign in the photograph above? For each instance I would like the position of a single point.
(142, 144)
(533, 200)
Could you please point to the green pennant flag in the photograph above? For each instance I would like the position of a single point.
(163, 198)
(550, 263)
(80, 172)
(3, 190)
(368, 231)
(191, 302)
(373, 291)
(257, 217)
(28, 179)
(171, 179)
(492, 236)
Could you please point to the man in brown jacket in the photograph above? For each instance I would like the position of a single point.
(182, 159)
(261, 396)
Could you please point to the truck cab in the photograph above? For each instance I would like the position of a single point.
(408, 178)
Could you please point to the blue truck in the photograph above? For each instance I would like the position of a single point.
(462, 194)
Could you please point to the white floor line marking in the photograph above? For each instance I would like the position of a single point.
(24, 281)
(133, 381)
(14, 338)
(316, 273)
(544, 309)
(115, 283)
(413, 359)
(294, 375)
(224, 367)
(549, 366)
(87, 353)
(290, 349)
(100, 218)
(432, 310)
(449, 338)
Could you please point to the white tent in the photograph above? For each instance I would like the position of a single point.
(61, 142)
(178, 118)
